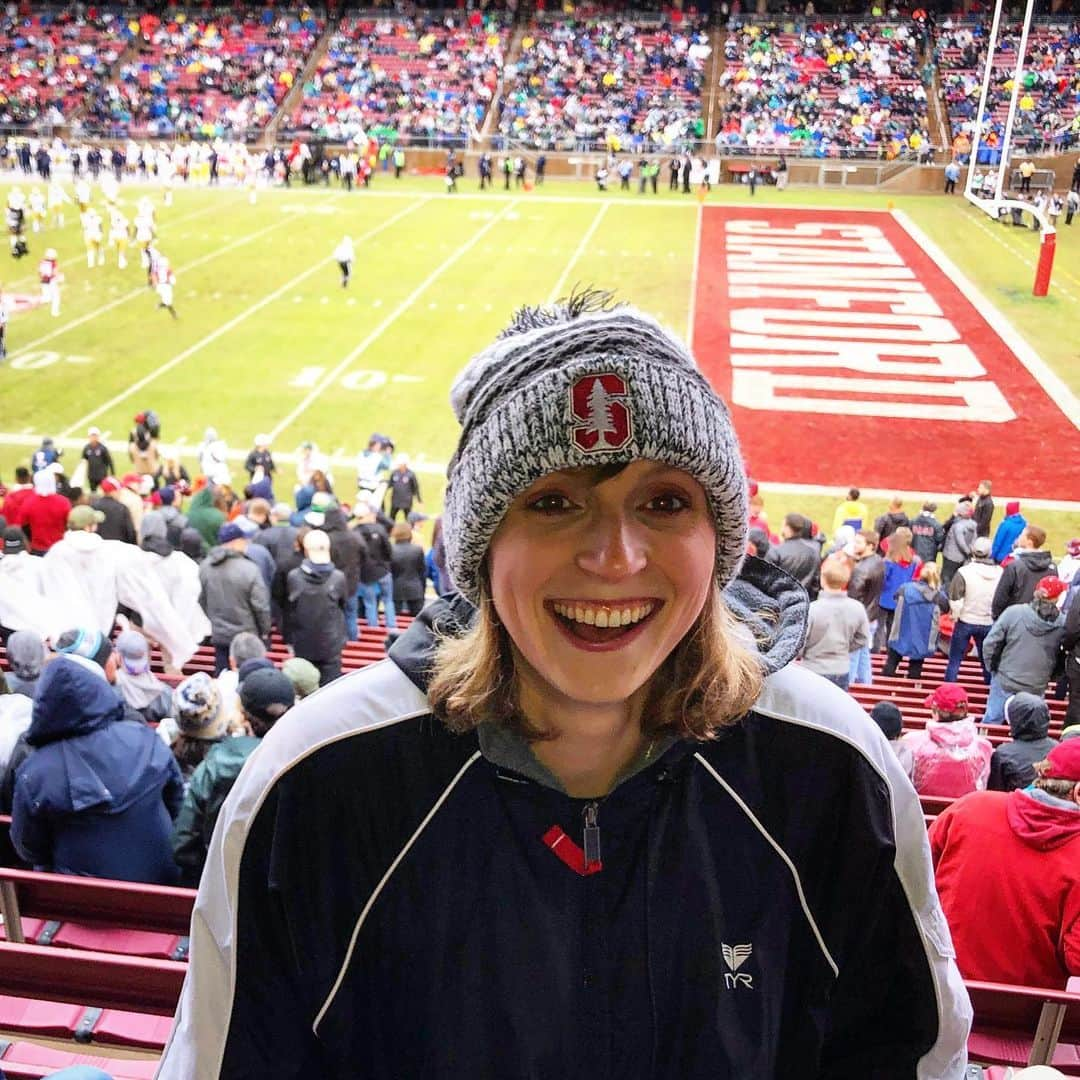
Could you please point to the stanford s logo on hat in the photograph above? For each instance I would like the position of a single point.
(598, 405)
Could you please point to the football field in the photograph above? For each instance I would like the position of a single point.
(268, 340)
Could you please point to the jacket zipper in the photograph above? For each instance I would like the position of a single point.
(591, 843)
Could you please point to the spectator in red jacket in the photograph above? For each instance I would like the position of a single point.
(1008, 873)
(17, 496)
(44, 515)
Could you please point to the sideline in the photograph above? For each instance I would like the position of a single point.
(557, 292)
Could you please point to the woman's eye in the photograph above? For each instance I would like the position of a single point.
(551, 503)
(669, 502)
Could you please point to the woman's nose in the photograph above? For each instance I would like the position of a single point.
(613, 549)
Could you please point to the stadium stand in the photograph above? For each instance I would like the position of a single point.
(207, 76)
(606, 83)
(1048, 109)
(834, 90)
(404, 78)
(52, 59)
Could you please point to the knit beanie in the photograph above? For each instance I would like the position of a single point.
(197, 704)
(579, 385)
(90, 644)
(888, 717)
(303, 674)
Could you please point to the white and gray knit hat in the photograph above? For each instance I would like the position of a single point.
(574, 386)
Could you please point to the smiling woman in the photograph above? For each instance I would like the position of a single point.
(587, 821)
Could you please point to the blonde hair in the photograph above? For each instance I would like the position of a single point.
(836, 572)
(930, 573)
(710, 679)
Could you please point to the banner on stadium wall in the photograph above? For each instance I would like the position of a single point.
(851, 356)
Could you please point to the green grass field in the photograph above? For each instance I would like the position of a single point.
(267, 340)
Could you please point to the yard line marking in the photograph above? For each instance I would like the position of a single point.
(1023, 257)
(691, 313)
(141, 291)
(390, 319)
(557, 292)
(226, 327)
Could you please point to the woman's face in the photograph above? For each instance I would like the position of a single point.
(597, 580)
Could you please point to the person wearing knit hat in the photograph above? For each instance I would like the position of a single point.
(199, 715)
(303, 675)
(138, 685)
(1008, 874)
(266, 696)
(888, 717)
(599, 753)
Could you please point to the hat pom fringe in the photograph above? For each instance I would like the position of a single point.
(581, 301)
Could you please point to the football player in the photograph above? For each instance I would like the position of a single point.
(93, 237)
(165, 282)
(50, 278)
(119, 234)
(37, 209)
(82, 196)
(56, 199)
(145, 231)
(16, 217)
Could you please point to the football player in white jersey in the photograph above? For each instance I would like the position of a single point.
(82, 196)
(37, 209)
(165, 282)
(110, 188)
(56, 199)
(119, 234)
(145, 232)
(50, 278)
(93, 237)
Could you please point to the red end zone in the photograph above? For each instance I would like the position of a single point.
(850, 357)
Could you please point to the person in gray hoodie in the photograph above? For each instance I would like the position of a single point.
(970, 596)
(1023, 647)
(233, 593)
(1013, 764)
(959, 537)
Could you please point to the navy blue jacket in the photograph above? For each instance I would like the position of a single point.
(98, 793)
(389, 901)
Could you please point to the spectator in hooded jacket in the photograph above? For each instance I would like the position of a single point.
(1029, 565)
(1023, 647)
(26, 655)
(1008, 532)
(970, 597)
(234, 595)
(959, 537)
(914, 633)
(376, 577)
(16, 712)
(265, 696)
(44, 514)
(97, 794)
(797, 554)
(867, 581)
(1013, 763)
(138, 685)
(927, 533)
(315, 607)
(1071, 645)
(348, 553)
(901, 566)
(949, 757)
(1008, 873)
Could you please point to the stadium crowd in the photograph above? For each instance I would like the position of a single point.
(403, 77)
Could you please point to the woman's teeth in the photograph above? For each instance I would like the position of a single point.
(606, 615)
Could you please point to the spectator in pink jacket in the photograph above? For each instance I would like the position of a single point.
(950, 758)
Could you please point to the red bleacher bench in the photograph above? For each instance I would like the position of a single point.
(1025, 1025)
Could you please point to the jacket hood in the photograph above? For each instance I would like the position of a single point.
(219, 554)
(985, 569)
(1042, 617)
(953, 734)
(1035, 560)
(1040, 824)
(156, 545)
(334, 520)
(316, 571)
(85, 543)
(770, 606)
(1028, 717)
(72, 699)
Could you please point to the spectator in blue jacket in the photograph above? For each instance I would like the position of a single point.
(98, 793)
(914, 633)
(1008, 532)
